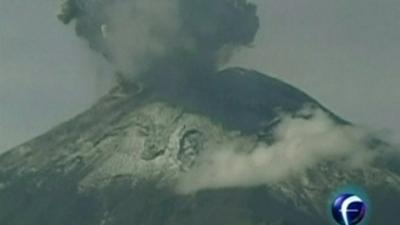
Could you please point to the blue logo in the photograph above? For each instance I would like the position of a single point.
(348, 209)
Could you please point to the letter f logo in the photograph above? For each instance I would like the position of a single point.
(348, 209)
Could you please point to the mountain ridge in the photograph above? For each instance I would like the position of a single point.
(117, 163)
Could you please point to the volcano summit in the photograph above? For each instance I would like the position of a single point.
(179, 141)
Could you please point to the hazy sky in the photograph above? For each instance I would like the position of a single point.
(47, 74)
(344, 53)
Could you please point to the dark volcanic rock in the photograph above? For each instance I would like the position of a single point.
(115, 164)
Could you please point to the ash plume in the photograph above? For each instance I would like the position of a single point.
(163, 40)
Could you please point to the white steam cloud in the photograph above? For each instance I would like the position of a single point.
(300, 144)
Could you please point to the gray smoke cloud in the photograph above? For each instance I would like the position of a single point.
(301, 144)
(178, 37)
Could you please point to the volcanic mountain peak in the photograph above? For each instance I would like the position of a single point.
(234, 99)
(120, 161)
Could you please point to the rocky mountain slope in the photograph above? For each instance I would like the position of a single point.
(117, 163)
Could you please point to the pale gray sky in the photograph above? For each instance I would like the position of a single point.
(342, 52)
(47, 74)
(345, 53)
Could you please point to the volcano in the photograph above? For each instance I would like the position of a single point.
(117, 162)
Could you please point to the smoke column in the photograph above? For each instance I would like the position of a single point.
(163, 41)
